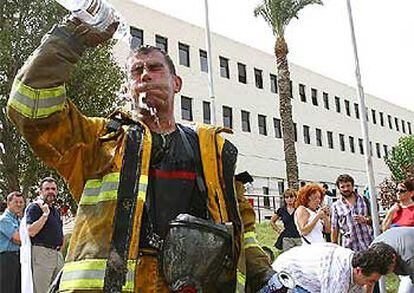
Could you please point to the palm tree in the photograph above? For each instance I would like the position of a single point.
(278, 14)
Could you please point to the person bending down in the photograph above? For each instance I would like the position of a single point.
(327, 267)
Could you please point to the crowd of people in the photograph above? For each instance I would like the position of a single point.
(329, 244)
(144, 183)
(43, 259)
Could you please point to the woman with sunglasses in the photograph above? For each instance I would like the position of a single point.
(289, 237)
(311, 219)
(401, 213)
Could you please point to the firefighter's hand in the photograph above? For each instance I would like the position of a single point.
(88, 35)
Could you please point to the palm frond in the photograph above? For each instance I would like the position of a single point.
(278, 13)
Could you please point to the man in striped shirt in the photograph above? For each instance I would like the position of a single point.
(351, 217)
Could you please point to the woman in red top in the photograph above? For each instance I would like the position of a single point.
(401, 213)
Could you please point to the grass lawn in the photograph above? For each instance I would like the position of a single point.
(267, 236)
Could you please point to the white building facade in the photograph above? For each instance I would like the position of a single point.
(329, 137)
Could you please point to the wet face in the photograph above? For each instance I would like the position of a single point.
(48, 192)
(150, 74)
(361, 279)
(16, 205)
(346, 189)
(315, 200)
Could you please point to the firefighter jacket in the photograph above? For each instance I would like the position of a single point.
(90, 158)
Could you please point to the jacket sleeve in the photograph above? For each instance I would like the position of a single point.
(258, 267)
(54, 128)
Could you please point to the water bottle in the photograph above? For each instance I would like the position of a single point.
(97, 13)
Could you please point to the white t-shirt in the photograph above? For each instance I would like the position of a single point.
(314, 236)
(319, 267)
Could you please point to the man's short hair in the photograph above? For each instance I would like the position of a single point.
(344, 178)
(146, 49)
(13, 194)
(48, 179)
(376, 259)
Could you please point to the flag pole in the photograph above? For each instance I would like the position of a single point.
(209, 64)
(364, 127)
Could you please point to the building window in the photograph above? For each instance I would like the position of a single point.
(352, 144)
(245, 119)
(258, 78)
(162, 43)
(227, 117)
(378, 147)
(403, 126)
(367, 113)
(318, 137)
(397, 126)
(347, 108)
(186, 109)
(242, 72)
(356, 108)
(281, 187)
(306, 134)
(224, 67)
(326, 100)
(381, 115)
(385, 150)
(338, 104)
(273, 83)
(295, 131)
(291, 88)
(374, 116)
(302, 93)
(409, 128)
(314, 95)
(278, 127)
(370, 148)
(361, 145)
(137, 37)
(262, 124)
(203, 61)
(342, 142)
(266, 199)
(184, 54)
(389, 121)
(206, 112)
(330, 139)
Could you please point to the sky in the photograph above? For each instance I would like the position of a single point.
(320, 39)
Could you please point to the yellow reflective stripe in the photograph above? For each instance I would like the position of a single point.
(250, 234)
(250, 240)
(97, 190)
(241, 279)
(36, 103)
(142, 188)
(89, 274)
(93, 183)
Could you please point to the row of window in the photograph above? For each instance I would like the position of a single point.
(187, 114)
(405, 126)
(184, 59)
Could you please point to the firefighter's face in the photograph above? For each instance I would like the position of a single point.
(150, 74)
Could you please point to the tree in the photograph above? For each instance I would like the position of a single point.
(278, 14)
(23, 24)
(401, 165)
(401, 160)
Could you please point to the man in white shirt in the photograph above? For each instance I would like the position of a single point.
(327, 267)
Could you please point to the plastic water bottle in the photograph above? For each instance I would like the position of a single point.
(97, 13)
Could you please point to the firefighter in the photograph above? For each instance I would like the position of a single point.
(132, 177)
